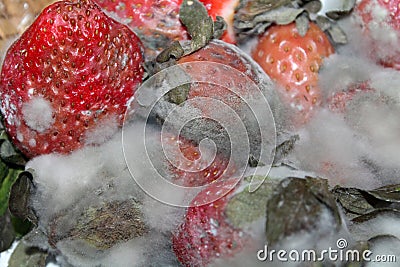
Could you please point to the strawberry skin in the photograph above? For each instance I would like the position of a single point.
(205, 234)
(338, 101)
(380, 22)
(78, 63)
(197, 172)
(157, 21)
(293, 62)
(219, 52)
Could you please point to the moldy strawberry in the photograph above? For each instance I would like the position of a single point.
(71, 71)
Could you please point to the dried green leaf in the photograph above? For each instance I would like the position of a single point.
(219, 27)
(247, 207)
(10, 155)
(7, 233)
(281, 16)
(21, 227)
(175, 50)
(313, 6)
(9, 176)
(296, 206)
(11, 165)
(110, 223)
(198, 23)
(336, 15)
(337, 34)
(358, 201)
(344, 10)
(302, 24)
(253, 17)
(323, 23)
(179, 94)
(250, 9)
(354, 200)
(390, 193)
(25, 256)
(19, 197)
(284, 149)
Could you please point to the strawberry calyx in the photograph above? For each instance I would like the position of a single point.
(254, 17)
(200, 26)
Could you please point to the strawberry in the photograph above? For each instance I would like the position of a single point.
(205, 234)
(243, 88)
(293, 62)
(219, 52)
(157, 21)
(338, 101)
(380, 22)
(196, 172)
(71, 71)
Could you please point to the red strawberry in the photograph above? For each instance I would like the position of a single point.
(205, 235)
(380, 21)
(220, 92)
(339, 100)
(71, 71)
(293, 62)
(197, 172)
(157, 21)
(219, 52)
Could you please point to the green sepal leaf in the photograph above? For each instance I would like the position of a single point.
(9, 176)
(354, 200)
(175, 50)
(179, 94)
(198, 23)
(20, 196)
(21, 227)
(390, 193)
(254, 17)
(358, 201)
(219, 27)
(296, 206)
(105, 225)
(247, 207)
